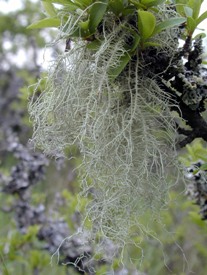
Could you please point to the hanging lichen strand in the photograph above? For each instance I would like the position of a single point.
(121, 123)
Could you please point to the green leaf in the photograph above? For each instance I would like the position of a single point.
(180, 9)
(201, 154)
(121, 64)
(195, 5)
(45, 23)
(96, 14)
(203, 167)
(135, 37)
(146, 24)
(191, 25)
(128, 10)
(94, 45)
(199, 35)
(195, 217)
(202, 17)
(151, 44)
(63, 2)
(169, 23)
(4, 267)
(188, 11)
(83, 3)
(135, 42)
(151, 3)
(116, 6)
(137, 4)
(190, 150)
(49, 8)
(68, 3)
(84, 29)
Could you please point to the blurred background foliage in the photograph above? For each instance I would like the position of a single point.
(176, 244)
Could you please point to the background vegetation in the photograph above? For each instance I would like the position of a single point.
(39, 196)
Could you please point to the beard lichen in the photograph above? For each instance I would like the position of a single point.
(123, 128)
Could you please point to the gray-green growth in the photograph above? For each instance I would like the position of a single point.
(124, 130)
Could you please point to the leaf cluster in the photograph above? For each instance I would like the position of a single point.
(190, 9)
(96, 10)
(142, 25)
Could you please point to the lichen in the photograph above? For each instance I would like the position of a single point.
(123, 128)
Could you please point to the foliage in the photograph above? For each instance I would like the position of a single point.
(180, 241)
(15, 36)
(89, 15)
(191, 10)
(31, 233)
(196, 162)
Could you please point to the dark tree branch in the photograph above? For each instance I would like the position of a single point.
(192, 118)
(183, 131)
(195, 120)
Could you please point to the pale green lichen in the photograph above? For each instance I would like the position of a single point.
(124, 130)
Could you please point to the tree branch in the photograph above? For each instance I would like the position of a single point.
(192, 118)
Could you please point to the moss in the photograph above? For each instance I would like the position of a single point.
(124, 130)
